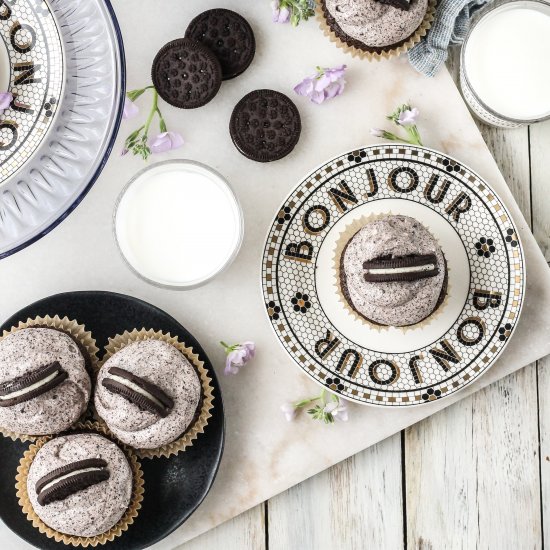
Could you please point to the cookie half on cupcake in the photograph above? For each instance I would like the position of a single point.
(393, 272)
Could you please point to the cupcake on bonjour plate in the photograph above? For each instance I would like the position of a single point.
(153, 393)
(80, 488)
(376, 29)
(45, 385)
(393, 272)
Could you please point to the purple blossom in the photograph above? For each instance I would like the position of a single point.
(408, 117)
(376, 132)
(238, 356)
(130, 109)
(325, 84)
(166, 141)
(280, 14)
(338, 410)
(289, 411)
(5, 100)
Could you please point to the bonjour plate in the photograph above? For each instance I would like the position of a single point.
(63, 62)
(390, 366)
(175, 486)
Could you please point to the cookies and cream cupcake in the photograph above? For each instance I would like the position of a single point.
(393, 272)
(80, 484)
(377, 26)
(149, 394)
(44, 381)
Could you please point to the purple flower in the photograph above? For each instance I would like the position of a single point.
(166, 141)
(5, 100)
(325, 84)
(338, 410)
(376, 132)
(238, 355)
(408, 117)
(280, 14)
(130, 109)
(289, 411)
(124, 152)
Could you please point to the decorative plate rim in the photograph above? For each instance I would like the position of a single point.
(108, 150)
(473, 172)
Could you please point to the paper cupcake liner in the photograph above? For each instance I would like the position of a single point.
(72, 328)
(341, 242)
(362, 51)
(115, 531)
(197, 427)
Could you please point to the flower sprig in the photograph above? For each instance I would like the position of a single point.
(325, 84)
(238, 355)
(405, 117)
(138, 142)
(293, 11)
(321, 407)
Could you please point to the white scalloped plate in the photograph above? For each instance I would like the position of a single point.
(63, 61)
(393, 366)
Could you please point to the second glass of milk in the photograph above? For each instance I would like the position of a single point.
(178, 224)
(505, 63)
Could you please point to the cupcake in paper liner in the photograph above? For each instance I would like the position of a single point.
(376, 29)
(390, 271)
(80, 488)
(45, 384)
(153, 393)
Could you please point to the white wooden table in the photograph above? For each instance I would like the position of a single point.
(476, 475)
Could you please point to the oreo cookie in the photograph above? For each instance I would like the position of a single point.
(406, 268)
(138, 391)
(70, 479)
(228, 35)
(186, 73)
(265, 125)
(31, 385)
(399, 4)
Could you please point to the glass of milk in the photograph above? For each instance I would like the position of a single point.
(505, 63)
(178, 224)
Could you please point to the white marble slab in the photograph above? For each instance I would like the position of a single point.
(265, 455)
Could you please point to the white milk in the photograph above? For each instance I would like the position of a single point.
(507, 60)
(178, 223)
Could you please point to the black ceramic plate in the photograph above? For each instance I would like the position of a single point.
(174, 487)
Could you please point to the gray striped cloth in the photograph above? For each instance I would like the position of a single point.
(450, 26)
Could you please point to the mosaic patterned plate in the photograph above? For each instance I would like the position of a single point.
(387, 365)
(63, 62)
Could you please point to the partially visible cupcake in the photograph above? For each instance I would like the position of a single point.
(149, 394)
(393, 272)
(377, 28)
(44, 381)
(80, 484)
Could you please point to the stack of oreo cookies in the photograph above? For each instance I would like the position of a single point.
(218, 45)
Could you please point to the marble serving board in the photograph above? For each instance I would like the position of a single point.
(264, 454)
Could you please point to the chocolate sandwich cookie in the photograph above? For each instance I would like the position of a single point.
(70, 479)
(228, 35)
(44, 383)
(402, 268)
(186, 73)
(138, 391)
(148, 394)
(393, 272)
(265, 125)
(31, 385)
(80, 484)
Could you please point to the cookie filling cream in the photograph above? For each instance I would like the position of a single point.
(28, 387)
(401, 270)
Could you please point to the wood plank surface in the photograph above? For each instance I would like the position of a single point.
(476, 475)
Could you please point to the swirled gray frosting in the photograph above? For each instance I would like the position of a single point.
(397, 303)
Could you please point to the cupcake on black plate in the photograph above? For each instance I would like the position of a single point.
(153, 394)
(393, 272)
(44, 381)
